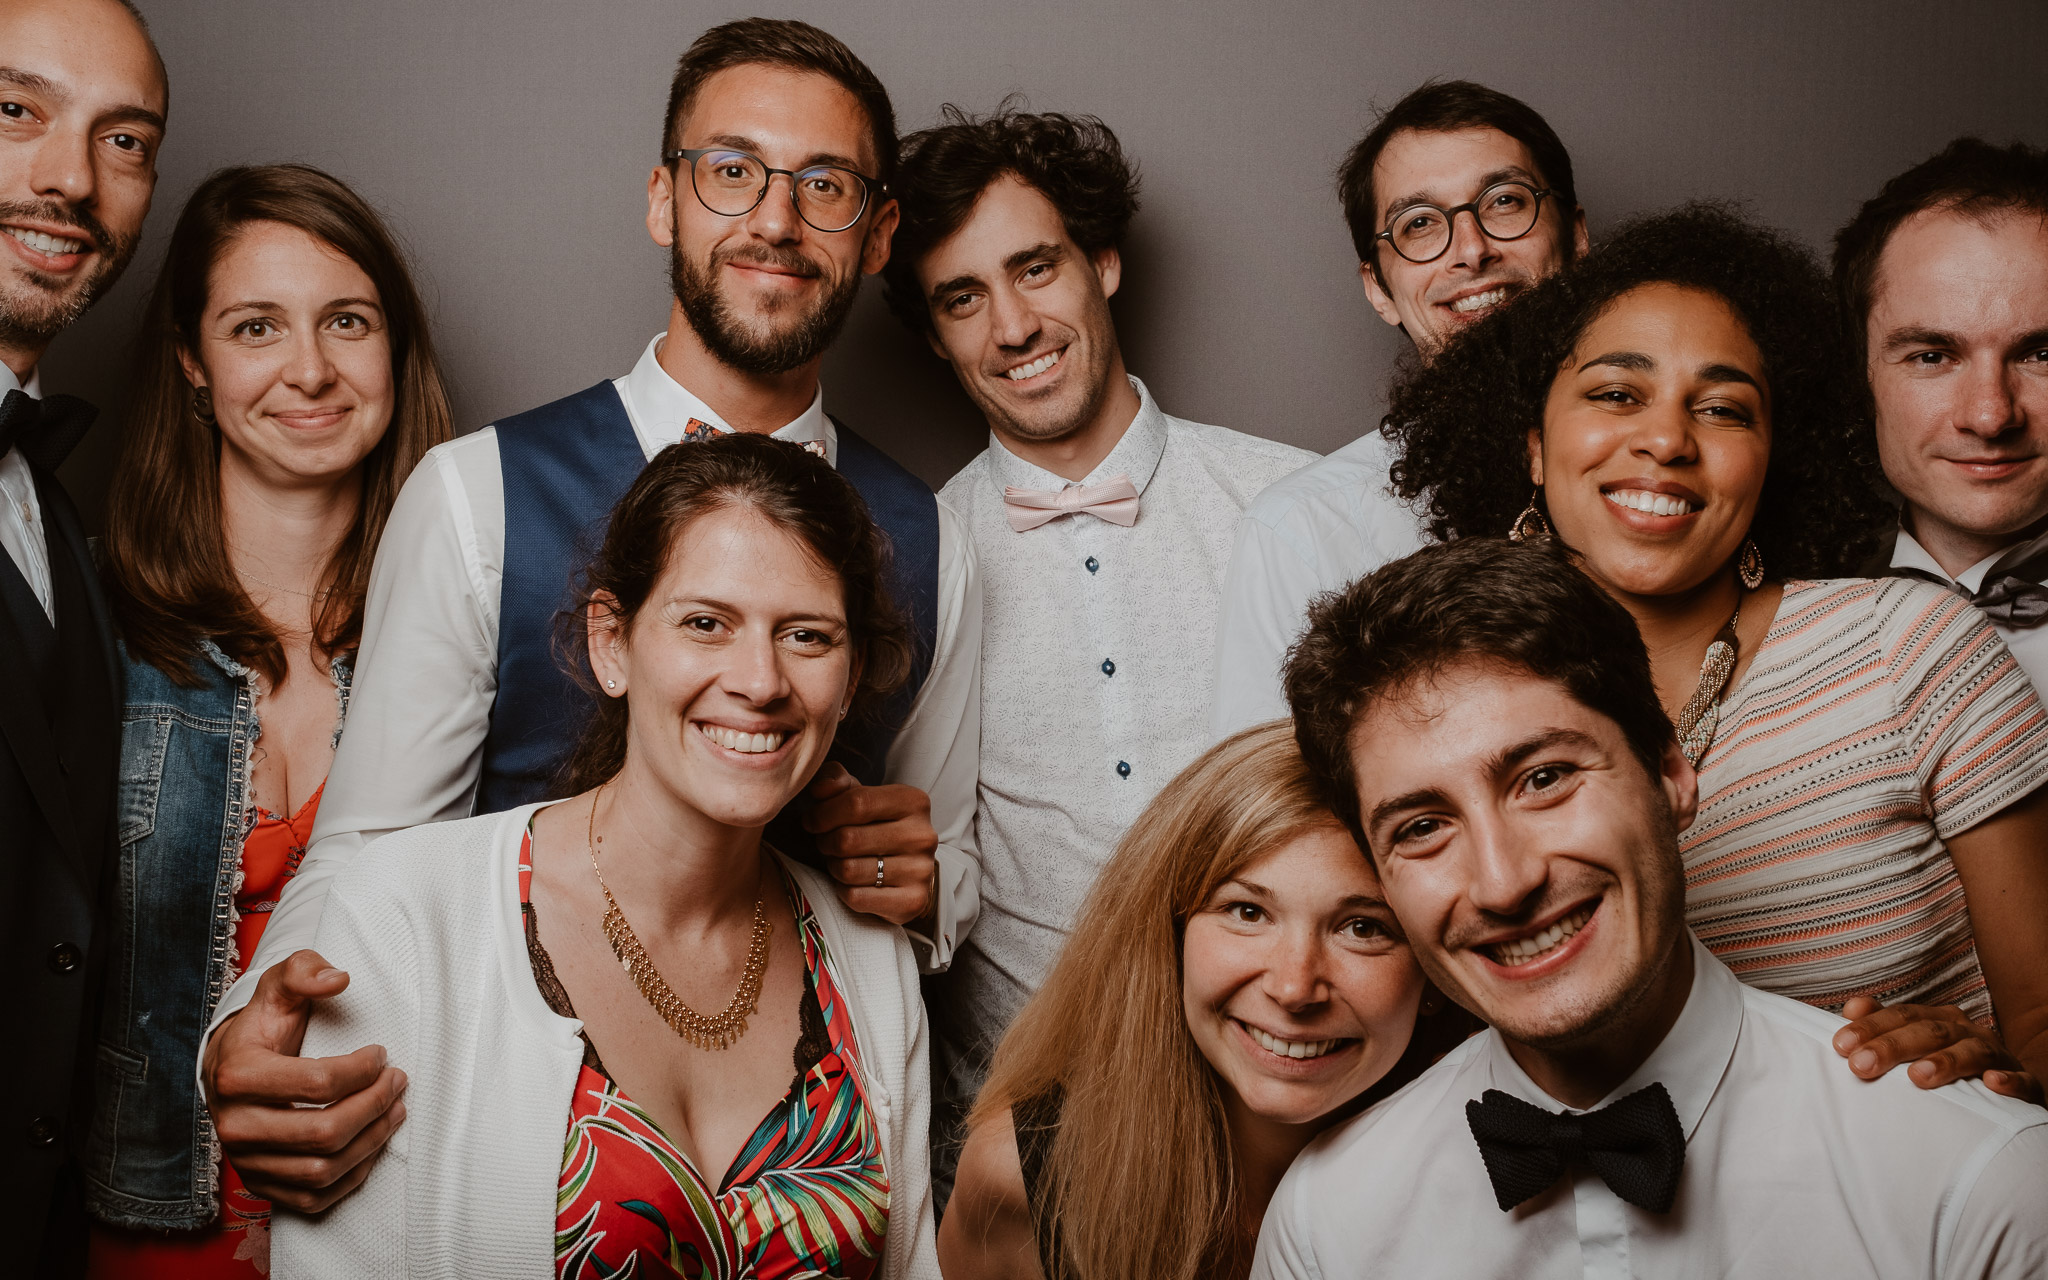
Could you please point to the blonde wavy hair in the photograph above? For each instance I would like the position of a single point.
(1139, 1176)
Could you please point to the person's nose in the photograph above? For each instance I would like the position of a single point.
(1014, 322)
(61, 168)
(755, 672)
(775, 218)
(1663, 434)
(1508, 877)
(1471, 247)
(1295, 977)
(1989, 408)
(308, 368)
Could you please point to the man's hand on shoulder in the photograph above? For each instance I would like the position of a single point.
(298, 1156)
(887, 829)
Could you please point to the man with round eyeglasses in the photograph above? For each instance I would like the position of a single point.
(1458, 199)
(772, 199)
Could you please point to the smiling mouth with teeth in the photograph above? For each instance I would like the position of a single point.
(1656, 504)
(752, 744)
(43, 243)
(1036, 367)
(1291, 1048)
(1521, 951)
(1480, 301)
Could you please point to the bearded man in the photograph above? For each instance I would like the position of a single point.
(772, 197)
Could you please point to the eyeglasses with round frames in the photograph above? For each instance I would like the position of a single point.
(731, 183)
(1504, 211)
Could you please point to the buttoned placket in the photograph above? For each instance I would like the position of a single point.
(1107, 661)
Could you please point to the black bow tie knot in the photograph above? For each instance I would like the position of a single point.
(1635, 1144)
(44, 430)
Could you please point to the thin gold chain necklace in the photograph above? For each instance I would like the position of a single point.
(1701, 714)
(706, 1033)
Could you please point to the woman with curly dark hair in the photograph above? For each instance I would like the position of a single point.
(1871, 758)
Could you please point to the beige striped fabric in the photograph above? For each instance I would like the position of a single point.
(1878, 719)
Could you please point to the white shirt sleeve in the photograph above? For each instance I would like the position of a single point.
(1998, 1234)
(1286, 1247)
(1266, 592)
(938, 750)
(420, 700)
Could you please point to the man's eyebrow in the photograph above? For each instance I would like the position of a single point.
(30, 80)
(38, 83)
(740, 142)
(954, 285)
(1634, 360)
(1514, 757)
(2032, 341)
(1918, 336)
(1024, 257)
(1420, 798)
(1511, 173)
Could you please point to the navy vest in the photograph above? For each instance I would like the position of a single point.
(565, 465)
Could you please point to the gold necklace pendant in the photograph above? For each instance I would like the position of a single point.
(718, 1032)
(1701, 714)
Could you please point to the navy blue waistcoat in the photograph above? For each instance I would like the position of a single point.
(565, 466)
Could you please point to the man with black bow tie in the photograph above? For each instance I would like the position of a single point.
(1943, 281)
(82, 102)
(1484, 719)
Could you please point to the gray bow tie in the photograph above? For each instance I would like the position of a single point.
(2010, 595)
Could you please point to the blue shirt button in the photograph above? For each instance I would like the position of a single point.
(1091, 564)
(1123, 768)
(1108, 667)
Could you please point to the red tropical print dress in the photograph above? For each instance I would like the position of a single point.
(237, 1246)
(807, 1196)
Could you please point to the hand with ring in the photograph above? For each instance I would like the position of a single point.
(879, 846)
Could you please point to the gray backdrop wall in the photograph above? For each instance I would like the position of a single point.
(509, 142)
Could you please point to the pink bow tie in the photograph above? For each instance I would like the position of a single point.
(1114, 500)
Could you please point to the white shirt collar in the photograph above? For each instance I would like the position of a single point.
(8, 382)
(1689, 1063)
(1136, 454)
(1907, 553)
(661, 408)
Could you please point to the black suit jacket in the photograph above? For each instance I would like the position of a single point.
(60, 698)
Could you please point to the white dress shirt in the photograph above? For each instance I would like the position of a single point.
(1318, 530)
(427, 673)
(2029, 645)
(1793, 1167)
(21, 512)
(1096, 646)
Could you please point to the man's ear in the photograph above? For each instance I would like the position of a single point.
(874, 250)
(1376, 294)
(661, 205)
(1109, 269)
(1681, 784)
(1581, 243)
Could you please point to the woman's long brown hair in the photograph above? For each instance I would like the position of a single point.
(168, 574)
(1140, 1178)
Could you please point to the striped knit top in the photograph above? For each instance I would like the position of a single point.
(1878, 719)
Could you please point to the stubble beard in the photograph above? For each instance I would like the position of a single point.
(34, 306)
(801, 337)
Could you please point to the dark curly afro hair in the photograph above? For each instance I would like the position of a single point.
(1461, 423)
(1074, 161)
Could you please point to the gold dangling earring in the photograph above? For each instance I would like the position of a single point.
(202, 407)
(1530, 525)
(1750, 565)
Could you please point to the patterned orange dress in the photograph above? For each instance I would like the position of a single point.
(237, 1246)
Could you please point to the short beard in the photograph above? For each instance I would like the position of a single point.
(802, 339)
(33, 314)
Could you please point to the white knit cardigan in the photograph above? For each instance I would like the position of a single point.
(426, 922)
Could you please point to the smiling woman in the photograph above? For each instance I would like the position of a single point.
(1234, 986)
(1871, 760)
(287, 387)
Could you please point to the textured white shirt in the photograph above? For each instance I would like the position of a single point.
(1318, 530)
(427, 673)
(1096, 646)
(21, 512)
(2029, 645)
(1793, 1167)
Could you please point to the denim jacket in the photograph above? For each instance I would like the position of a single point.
(184, 809)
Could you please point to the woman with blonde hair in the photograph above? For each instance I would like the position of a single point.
(1234, 986)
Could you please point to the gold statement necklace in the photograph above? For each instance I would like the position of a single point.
(1701, 714)
(706, 1033)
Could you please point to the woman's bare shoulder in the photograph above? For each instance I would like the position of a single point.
(986, 1233)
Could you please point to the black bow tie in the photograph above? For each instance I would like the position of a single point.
(44, 430)
(2011, 595)
(1635, 1144)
